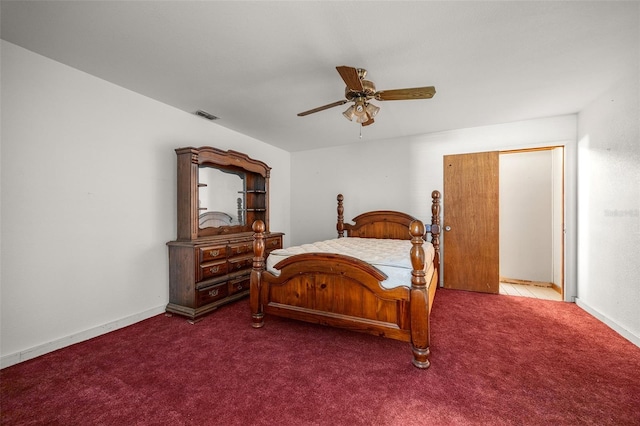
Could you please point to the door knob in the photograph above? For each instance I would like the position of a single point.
(447, 228)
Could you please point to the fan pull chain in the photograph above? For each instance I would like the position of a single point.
(361, 131)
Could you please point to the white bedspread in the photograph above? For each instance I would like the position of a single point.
(390, 256)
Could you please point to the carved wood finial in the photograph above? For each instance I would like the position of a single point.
(435, 207)
(340, 224)
(258, 245)
(416, 229)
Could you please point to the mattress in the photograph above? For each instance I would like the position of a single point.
(388, 255)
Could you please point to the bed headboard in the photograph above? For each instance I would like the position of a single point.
(390, 224)
(214, 219)
(386, 223)
(377, 224)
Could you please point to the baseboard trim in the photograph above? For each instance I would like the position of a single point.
(527, 282)
(608, 321)
(36, 351)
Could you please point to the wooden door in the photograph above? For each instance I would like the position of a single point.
(471, 255)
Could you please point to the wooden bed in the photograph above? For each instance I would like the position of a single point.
(342, 291)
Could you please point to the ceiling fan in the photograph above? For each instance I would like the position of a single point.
(360, 91)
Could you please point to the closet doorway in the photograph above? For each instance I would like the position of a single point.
(504, 219)
(532, 222)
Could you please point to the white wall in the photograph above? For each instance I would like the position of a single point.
(609, 207)
(88, 201)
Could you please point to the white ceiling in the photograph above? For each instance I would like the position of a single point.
(257, 64)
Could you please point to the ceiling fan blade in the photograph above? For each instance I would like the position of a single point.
(406, 94)
(322, 108)
(368, 122)
(351, 78)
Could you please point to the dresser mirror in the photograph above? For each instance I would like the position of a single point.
(221, 197)
(219, 193)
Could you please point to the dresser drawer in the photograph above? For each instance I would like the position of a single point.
(212, 269)
(240, 263)
(241, 248)
(210, 294)
(273, 243)
(239, 284)
(209, 254)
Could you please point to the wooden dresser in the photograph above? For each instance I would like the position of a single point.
(211, 272)
(220, 195)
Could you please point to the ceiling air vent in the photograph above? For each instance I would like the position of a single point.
(206, 115)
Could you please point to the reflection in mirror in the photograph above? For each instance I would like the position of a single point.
(220, 197)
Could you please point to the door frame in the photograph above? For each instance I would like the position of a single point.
(563, 228)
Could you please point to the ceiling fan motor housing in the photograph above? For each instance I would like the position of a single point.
(368, 91)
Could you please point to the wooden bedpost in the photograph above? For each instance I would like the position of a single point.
(257, 309)
(435, 228)
(419, 298)
(340, 225)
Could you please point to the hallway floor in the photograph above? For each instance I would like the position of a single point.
(533, 291)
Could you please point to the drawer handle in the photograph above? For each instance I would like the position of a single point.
(214, 292)
(239, 265)
(214, 269)
(214, 253)
(239, 286)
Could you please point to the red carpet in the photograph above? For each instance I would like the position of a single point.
(496, 360)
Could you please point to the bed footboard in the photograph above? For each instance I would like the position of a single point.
(345, 292)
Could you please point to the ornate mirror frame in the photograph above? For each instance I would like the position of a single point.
(255, 197)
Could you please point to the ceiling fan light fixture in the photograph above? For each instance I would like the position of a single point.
(360, 107)
(372, 110)
(361, 111)
(363, 118)
(349, 113)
